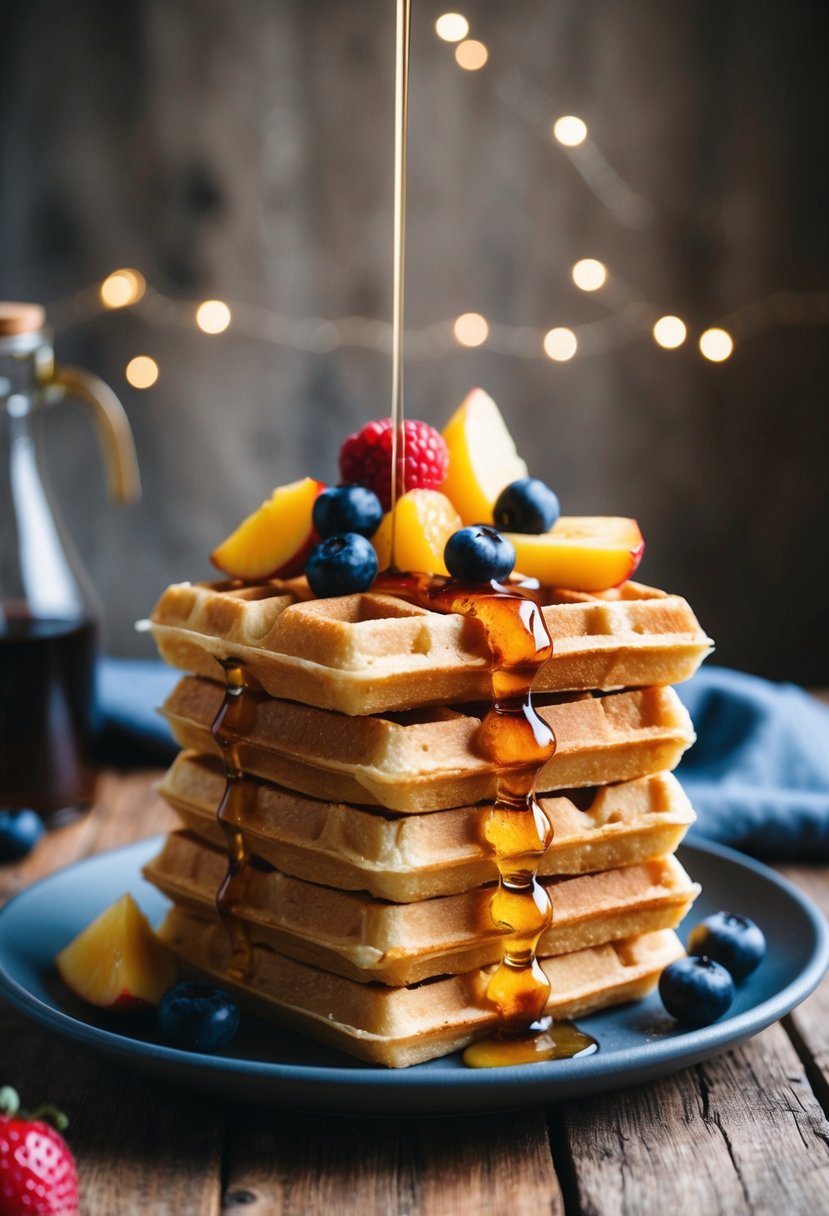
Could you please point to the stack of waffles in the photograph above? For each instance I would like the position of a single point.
(361, 801)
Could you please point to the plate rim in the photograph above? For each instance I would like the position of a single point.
(652, 1056)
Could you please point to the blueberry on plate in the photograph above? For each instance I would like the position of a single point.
(734, 941)
(479, 555)
(347, 509)
(526, 505)
(341, 565)
(19, 833)
(197, 1017)
(696, 991)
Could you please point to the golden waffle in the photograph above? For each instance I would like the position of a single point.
(370, 940)
(370, 653)
(410, 857)
(403, 1026)
(425, 760)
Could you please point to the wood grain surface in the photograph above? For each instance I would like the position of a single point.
(745, 1134)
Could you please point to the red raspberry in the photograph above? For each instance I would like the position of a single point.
(365, 459)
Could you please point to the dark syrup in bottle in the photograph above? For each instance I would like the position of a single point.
(47, 713)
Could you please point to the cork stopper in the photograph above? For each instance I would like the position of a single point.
(17, 318)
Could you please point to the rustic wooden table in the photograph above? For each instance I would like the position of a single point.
(745, 1133)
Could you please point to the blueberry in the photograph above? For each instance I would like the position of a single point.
(198, 1017)
(347, 509)
(696, 991)
(19, 833)
(479, 554)
(734, 941)
(527, 505)
(341, 565)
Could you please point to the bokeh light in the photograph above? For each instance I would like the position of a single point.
(471, 329)
(560, 344)
(213, 316)
(716, 344)
(122, 287)
(589, 274)
(142, 371)
(452, 27)
(670, 332)
(570, 131)
(471, 55)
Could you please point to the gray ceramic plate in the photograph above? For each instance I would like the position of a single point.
(264, 1064)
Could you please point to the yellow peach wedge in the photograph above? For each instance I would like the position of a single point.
(581, 553)
(482, 458)
(275, 540)
(117, 962)
(424, 520)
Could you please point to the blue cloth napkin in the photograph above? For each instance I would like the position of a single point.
(758, 775)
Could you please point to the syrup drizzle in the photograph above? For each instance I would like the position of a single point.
(401, 125)
(232, 724)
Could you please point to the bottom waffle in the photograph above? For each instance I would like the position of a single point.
(403, 1026)
(370, 940)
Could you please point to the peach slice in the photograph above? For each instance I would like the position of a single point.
(275, 540)
(582, 553)
(482, 458)
(117, 962)
(424, 521)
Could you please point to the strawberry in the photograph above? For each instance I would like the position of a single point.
(38, 1176)
(365, 459)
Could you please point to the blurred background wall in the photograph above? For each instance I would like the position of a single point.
(243, 151)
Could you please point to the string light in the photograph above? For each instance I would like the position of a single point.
(121, 288)
(716, 344)
(141, 372)
(560, 344)
(589, 274)
(570, 131)
(452, 27)
(213, 316)
(471, 329)
(471, 55)
(669, 332)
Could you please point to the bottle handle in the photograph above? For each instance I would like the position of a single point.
(113, 429)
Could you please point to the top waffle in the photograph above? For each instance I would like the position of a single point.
(369, 653)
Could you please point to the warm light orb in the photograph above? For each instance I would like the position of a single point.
(716, 344)
(471, 329)
(471, 55)
(589, 274)
(121, 288)
(213, 316)
(570, 131)
(670, 332)
(142, 371)
(452, 27)
(560, 344)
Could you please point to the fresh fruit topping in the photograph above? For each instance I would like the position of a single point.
(526, 505)
(482, 457)
(117, 962)
(735, 942)
(423, 522)
(19, 833)
(696, 991)
(198, 1017)
(38, 1175)
(365, 459)
(582, 553)
(341, 565)
(347, 509)
(479, 555)
(274, 541)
